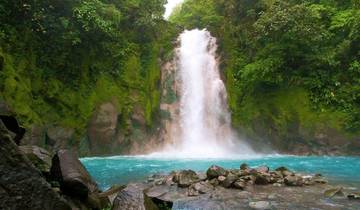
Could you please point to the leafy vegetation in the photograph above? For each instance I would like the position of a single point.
(60, 59)
(271, 49)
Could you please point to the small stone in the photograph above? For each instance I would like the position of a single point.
(185, 178)
(338, 191)
(263, 169)
(202, 176)
(277, 185)
(221, 178)
(320, 181)
(354, 196)
(192, 192)
(203, 187)
(244, 166)
(262, 179)
(272, 196)
(261, 205)
(282, 168)
(239, 185)
(214, 182)
(294, 181)
(230, 179)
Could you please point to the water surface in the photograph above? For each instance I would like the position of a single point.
(124, 169)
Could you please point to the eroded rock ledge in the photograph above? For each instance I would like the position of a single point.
(243, 188)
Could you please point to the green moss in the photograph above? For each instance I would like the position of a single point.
(283, 108)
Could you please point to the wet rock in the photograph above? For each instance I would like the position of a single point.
(214, 182)
(354, 196)
(71, 174)
(338, 191)
(185, 178)
(229, 180)
(109, 195)
(202, 176)
(133, 197)
(40, 157)
(277, 185)
(272, 196)
(263, 169)
(294, 181)
(244, 166)
(284, 171)
(192, 192)
(261, 205)
(239, 185)
(262, 179)
(21, 184)
(215, 172)
(221, 179)
(202, 187)
(319, 180)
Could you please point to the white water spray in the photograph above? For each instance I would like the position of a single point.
(205, 121)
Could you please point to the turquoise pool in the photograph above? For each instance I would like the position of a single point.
(124, 169)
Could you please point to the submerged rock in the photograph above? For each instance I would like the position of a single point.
(261, 205)
(354, 196)
(215, 171)
(338, 191)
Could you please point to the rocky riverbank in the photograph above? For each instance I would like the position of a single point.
(243, 188)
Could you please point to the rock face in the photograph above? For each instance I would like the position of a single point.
(21, 184)
(102, 128)
(58, 138)
(40, 157)
(72, 175)
(133, 198)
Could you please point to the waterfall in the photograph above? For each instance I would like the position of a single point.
(204, 120)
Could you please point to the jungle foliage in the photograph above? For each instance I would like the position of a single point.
(60, 59)
(269, 47)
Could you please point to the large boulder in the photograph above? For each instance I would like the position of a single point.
(294, 180)
(215, 172)
(185, 178)
(71, 174)
(21, 184)
(133, 198)
(102, 129)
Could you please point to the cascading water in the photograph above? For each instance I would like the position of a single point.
(204, 121)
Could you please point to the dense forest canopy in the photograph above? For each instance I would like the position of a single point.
(61, 58)
(271, 46)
